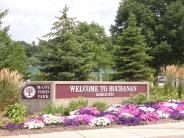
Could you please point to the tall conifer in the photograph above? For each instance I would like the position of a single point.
(131, 54)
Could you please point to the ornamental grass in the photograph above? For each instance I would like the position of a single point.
(10, 83)
(175, 80)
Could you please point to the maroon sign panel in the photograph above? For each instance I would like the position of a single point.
(36, 91)
(99, 90)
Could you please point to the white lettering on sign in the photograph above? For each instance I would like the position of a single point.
(43, 87)
(122, 88)
(104, 94)
(43, 91)
(110, 89)
(77, 88)
(43, 96)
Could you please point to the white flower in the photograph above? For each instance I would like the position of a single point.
(52, 119)
(114, 109)
(172, 105)
(116, 105)
(72, 116)
(75, 112)
(34, 124)
(162, 114)
(100, 121)
(126, 115)
(173, 100)
(147, 109)
(182, 112)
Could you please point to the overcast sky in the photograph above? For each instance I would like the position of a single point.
(31, 19)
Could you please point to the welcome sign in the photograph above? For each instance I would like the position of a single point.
(38, 94)
(89, 90)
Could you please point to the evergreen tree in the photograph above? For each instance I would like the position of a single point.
(75, 49)
(63, 25)
(63, 60)
(131, 54)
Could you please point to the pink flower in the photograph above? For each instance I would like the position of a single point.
(180, 108)
(112, 118)
(149, 117)
(88, 111)
(84, 119)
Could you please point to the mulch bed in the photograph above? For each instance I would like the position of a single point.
(59, 128)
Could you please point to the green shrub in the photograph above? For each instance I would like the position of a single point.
(137, 99)
(101, 106)
(10, 83)
(51, 109)
(59, 109)
(16, 112)
(48, 108)
(73, 105)
(77, 103)
(5, 120)
(158, 94)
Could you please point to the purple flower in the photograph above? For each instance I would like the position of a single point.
(77, 120)
(11, 126)
(20, 125)
(177, 115)
(70, 122)
(130, 121)
(88, 111)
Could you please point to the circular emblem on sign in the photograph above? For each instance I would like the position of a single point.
(29, 92)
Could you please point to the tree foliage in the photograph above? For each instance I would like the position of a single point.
(75, 49)
(96, 45)
(61, 60)
(12, 54)
(131, 54)
(162, 24)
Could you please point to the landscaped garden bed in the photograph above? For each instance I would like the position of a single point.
(59, 128)
(89, 117)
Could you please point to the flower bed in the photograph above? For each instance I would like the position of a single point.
(119, 114)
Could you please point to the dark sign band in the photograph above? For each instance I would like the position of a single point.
(36, 91)
(98, 90)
